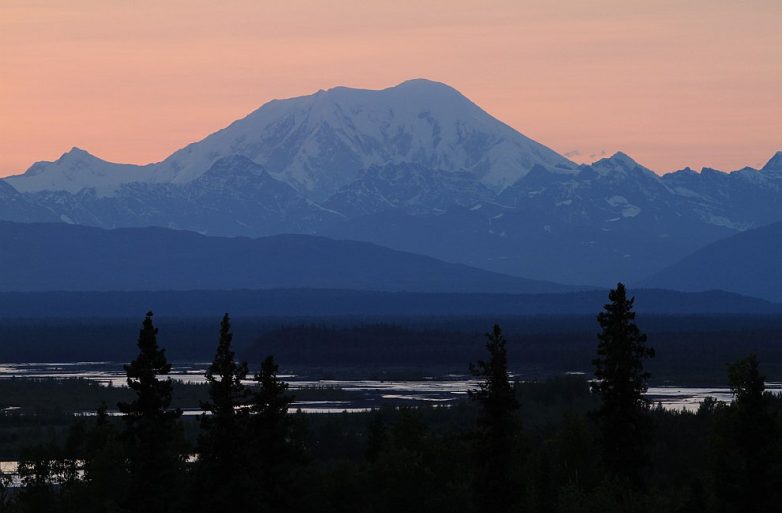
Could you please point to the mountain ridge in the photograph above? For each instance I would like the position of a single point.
(746, 263)
(62, 257)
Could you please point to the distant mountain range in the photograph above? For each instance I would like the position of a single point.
(418, 168)
(62, 257)
(748, 263)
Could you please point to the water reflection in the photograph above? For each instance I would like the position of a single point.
(356, 395)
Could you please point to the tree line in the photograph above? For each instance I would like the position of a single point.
(610, 450)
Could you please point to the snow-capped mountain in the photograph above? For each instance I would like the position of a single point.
(416, 167)
(77, 170)
(739, 200)
(320, 143)
(234, 197)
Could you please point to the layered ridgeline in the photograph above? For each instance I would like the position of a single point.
(62, 270)
(62, 257)
(748, 263)
(417, 167)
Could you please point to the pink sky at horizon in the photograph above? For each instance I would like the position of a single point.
(671, 83)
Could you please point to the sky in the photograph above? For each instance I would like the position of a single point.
(672, 83)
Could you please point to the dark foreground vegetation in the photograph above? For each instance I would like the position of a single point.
(550, 446)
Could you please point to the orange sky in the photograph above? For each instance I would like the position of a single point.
(672, 83)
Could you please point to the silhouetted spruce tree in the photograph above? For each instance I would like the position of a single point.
(621, 382)
(222, 470)
(276, 449)
(152, 433)
(497, 427)
(752, 478)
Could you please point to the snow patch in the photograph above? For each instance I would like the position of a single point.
(631, 211)
(724, 221)
(628, 209)
(616, 201)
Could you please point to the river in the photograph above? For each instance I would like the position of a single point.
(357, 394)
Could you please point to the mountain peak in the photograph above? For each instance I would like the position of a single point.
(621, 156)
(76, 170)
(619, 162)
(775, 163)
(415, 87)
(422, 84)
(413, 92)
(431, 91)
(320, 143)
(76, 153)
(617, 158)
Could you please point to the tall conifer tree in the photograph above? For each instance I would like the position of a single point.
(750, 479)
(276, 448)
(222, 469)
(152, 430)
(621, 382)
(497, 426)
